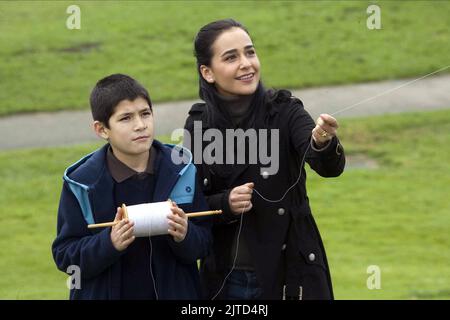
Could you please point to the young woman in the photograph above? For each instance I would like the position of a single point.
(266, 243)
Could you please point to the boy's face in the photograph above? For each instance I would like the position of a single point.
(130, 131)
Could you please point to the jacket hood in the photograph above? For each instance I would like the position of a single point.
(91, 183)
(86, 172)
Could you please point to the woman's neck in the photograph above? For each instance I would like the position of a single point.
(236, 106)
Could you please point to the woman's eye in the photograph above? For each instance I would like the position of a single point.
(125, 118)
(229, 58)
(251, 52)
(146, 114)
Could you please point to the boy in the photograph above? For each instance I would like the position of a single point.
(131, 168)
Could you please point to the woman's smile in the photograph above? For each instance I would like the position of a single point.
(247, 78)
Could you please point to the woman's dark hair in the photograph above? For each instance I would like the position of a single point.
(110, 91)
(203, 52)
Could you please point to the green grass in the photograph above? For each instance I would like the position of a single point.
(396, 216)
(45, 66)
(31, 184)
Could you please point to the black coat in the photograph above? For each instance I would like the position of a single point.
(283, 239)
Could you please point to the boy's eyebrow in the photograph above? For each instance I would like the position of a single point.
(124, 114)
(235, 50)
(146, 108)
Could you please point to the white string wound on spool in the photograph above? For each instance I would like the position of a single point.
(150, 219)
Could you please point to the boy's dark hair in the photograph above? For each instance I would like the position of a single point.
(110, 91)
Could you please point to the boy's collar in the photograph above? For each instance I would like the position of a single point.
(121, 172)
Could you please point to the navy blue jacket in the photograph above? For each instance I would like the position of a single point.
(87, 197)
(282, 236)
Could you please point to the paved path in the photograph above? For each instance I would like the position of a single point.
(73, 127)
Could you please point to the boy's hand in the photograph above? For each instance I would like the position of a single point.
(240, 198)
(178, 223)
(122, 233)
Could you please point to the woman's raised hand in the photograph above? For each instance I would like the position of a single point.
(325, 129)
(240, 198)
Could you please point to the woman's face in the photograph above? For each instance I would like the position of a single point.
(234, 68)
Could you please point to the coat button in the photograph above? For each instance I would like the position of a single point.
(265, 174)
(188, 189)
(338, 149)
(312, 257)
(283, 247)
(281, 211)
(205, 182)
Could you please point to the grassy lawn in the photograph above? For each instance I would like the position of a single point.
(396, 216)
(45, 66)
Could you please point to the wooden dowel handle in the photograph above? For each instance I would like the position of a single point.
(203, 213)
(189, 215)
(125, 211)
(103, 225)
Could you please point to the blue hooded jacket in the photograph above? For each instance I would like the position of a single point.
(87, 197)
